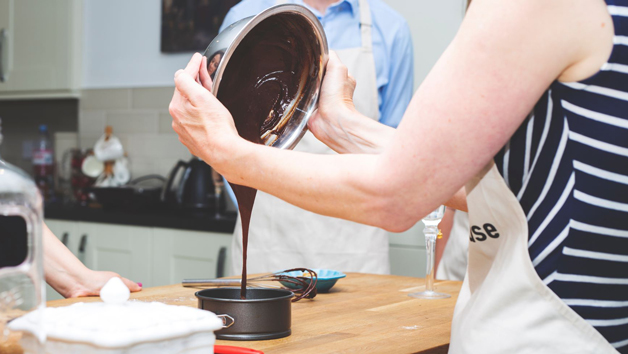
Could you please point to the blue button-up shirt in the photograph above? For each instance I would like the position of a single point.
(392, 46)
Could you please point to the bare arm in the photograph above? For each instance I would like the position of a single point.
(67, 275)
(504, 57)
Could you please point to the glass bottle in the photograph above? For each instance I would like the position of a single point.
(43, 164)
(21, 253)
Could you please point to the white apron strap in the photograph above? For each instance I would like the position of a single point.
(366, 25)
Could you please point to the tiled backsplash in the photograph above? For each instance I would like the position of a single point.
(140, 118)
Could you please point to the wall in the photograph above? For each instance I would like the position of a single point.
(121, 45)
(121, 40)
(140, 118)
(433, 25)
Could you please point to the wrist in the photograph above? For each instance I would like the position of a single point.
(70, 282)
(229, 156)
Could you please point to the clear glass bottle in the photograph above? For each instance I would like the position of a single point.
(21, 251)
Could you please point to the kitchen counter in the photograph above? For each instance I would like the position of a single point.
(157, 217)
(363, 313)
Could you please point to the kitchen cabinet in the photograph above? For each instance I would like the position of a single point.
(6, 24)
(189, 254)
(407, 252)
(67, 232)
(126, 250)
(40, 48)
(150, 255)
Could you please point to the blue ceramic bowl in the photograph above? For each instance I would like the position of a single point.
(327, 278)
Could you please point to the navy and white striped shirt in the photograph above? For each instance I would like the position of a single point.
(568, 166)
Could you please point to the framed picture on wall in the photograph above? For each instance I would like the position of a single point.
(190, 25)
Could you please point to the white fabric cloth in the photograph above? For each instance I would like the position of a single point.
(283, 236)
(503, 306)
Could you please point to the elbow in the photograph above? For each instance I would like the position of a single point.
(397, 221)
(392, 211)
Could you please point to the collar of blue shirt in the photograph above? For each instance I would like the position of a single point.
(343, 5)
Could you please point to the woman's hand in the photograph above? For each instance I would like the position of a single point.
(203, 124)
(335, 102)
(337, 123)
(92, 281)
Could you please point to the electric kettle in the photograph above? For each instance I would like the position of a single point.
(192, 185)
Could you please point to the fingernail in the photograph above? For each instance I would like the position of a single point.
(140, 284)
(178, 72)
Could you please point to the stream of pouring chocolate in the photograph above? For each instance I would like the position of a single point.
(261, 80)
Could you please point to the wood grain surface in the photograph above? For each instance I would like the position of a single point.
(363, 313)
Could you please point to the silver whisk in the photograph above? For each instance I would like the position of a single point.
(305, 286)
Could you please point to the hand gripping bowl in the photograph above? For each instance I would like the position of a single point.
(267, 70)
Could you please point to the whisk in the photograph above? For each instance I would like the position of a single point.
(303, 286)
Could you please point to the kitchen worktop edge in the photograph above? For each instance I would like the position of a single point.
(160, 218)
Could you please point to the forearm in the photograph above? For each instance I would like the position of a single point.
(352, 186)
(62, 269)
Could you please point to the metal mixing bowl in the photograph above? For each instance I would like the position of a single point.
(311, 33)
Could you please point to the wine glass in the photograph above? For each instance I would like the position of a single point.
(431, 222)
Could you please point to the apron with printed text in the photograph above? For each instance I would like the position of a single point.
(504, 307)
(283, 236)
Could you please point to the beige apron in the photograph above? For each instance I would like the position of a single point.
(504, 307)
(283, 236)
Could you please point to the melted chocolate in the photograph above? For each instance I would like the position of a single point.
(259, 86)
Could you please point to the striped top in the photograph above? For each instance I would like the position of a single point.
(567, 164)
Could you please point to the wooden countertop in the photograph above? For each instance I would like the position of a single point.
(363, 313)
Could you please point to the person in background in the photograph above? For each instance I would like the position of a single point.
(68, 276)
(375, 43)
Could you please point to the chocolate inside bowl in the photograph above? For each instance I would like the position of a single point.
(267, 71)
(264, 314)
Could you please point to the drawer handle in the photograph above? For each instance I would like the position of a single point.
(3, 55)
(64, 239)
(82, 244)
(220, 263)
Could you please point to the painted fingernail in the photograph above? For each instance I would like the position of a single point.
(140, 284)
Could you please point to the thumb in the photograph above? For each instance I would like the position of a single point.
(133, 286)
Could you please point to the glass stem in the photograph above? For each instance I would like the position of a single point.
(430, 245)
